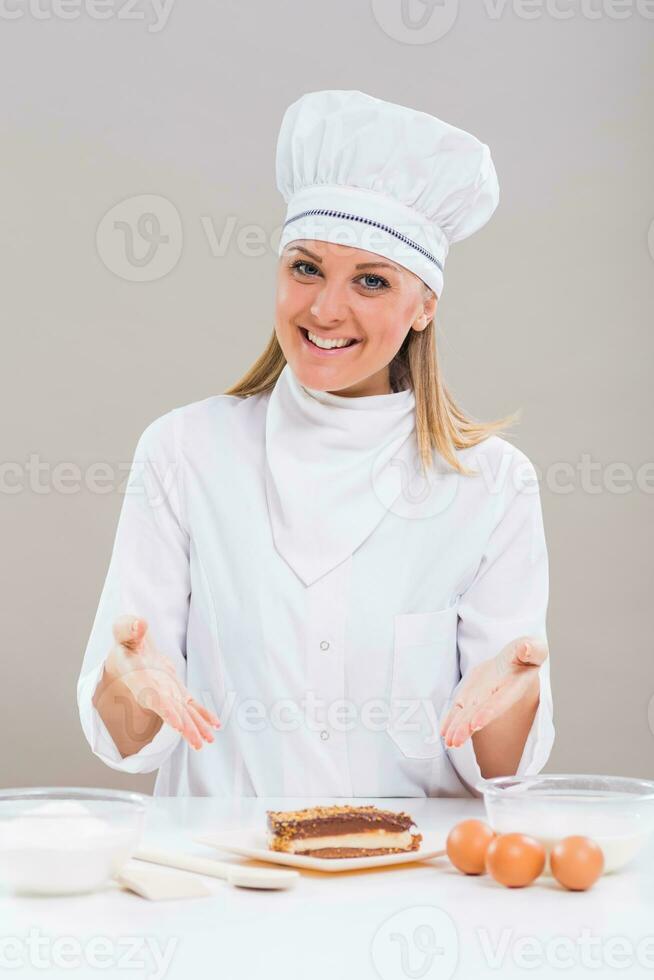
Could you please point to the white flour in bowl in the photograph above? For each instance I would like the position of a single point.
(59, 847)
(621, 835)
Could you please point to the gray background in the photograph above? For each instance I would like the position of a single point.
(549, 309)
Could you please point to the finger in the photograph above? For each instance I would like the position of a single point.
(460, 729)
(207, 714)
(483, 715)
(461, 726)
(455, 721)
(494, 707)
(190, 731)
(188, 727)
(532, 651)
(459, 733)
(454, 712)
(129, 631)
(465, 707)
(203, 727)
(525, 650)
(447, 721)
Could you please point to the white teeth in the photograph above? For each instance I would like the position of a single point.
(327, 344)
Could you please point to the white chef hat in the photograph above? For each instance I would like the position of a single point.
(401, 183)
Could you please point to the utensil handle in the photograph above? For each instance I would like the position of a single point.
(186, 862)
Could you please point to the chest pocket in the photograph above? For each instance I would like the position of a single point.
(424, 673)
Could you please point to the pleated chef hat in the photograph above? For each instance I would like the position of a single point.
(359, 171)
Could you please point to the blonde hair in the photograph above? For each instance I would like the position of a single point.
(440, 424)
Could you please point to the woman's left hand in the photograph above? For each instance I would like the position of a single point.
(492, 687)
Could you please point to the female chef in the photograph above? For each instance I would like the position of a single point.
(330, 579)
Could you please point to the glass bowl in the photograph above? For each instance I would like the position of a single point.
(66, 839)
(617, 812)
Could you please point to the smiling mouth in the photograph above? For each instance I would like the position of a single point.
(331, 347)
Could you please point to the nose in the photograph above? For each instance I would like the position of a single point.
(329, 307)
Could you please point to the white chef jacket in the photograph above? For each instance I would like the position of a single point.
(336, 688)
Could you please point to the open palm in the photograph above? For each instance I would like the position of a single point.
(151, 678)
(492, 687)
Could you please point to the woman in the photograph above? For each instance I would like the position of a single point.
(331, 567)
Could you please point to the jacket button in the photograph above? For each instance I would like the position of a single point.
(324, 645)
(324, 735)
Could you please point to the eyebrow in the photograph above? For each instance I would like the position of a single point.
(360, 265)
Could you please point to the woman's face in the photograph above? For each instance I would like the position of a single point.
(328, 292)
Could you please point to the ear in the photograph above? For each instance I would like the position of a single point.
(427, 312)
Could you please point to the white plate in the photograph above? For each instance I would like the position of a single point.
(251, 842)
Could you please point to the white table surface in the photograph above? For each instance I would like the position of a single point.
(421, 920)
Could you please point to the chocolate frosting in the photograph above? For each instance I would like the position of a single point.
(339, 819)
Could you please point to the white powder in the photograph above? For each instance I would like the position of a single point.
(59, 823)
(59, 847)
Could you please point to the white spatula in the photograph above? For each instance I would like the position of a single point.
(234, 874)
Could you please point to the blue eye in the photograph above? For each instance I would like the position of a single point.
(380, 279)
(379, 285)
(296, 265)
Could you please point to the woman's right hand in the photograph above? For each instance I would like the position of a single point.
(151, 679)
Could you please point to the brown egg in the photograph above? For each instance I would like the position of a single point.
(576, 862)
(466, 845)
(515, 860)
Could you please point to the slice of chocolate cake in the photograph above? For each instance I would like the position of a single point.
(341, 831)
